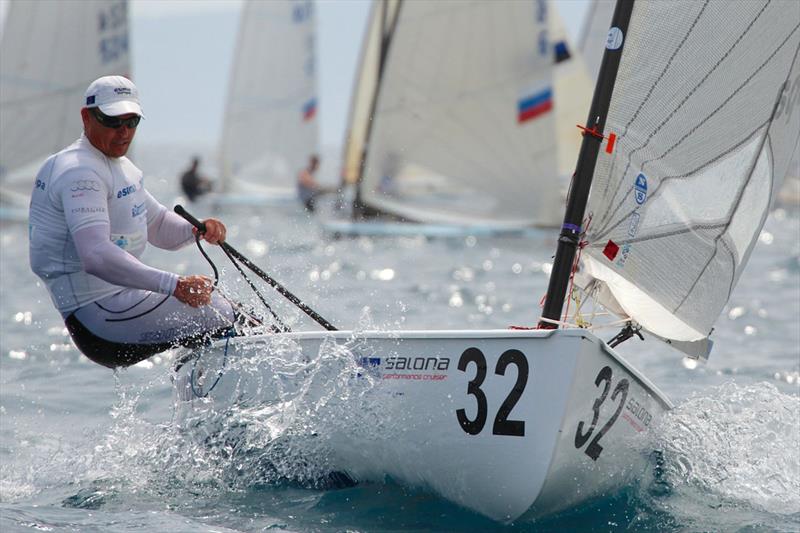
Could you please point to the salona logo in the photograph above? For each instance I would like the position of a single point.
(130, 189)
(417, 363)
(408, 368)
(122, 91)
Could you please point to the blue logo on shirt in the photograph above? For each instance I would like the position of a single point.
(130, 189)
(137, 210)
(121, 241)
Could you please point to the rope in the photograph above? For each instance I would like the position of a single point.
(283, 327)
(221, 371)
(581, 245)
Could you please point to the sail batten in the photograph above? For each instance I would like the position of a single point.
(678, 206)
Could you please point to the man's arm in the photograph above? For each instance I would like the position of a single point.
(166, 229)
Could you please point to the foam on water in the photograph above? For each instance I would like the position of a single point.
(730, 453)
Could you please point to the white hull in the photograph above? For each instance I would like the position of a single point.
(552, 418)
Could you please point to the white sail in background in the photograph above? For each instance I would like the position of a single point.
(463, 122)
(379, 25)
(50, 52)
(705, 109)
(572, 87)
(593, 35)
(270, 126)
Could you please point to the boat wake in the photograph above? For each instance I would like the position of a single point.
(730, 455)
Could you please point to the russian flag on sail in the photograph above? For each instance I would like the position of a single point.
(534, 105)
(309, 109)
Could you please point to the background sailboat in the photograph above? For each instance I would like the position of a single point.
(449, 114)
(50, 52)
(457, 155)
(270, 127)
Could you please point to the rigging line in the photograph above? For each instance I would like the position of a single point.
(653, 133)
(252, 285)
(611, 225)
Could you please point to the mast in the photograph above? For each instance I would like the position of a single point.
(587, 158)
(359, 209)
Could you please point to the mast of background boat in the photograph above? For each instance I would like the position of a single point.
(582, 180)
(359, 209)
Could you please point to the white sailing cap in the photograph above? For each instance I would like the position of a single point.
(114, 95)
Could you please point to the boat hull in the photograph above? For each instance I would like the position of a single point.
(510, 424)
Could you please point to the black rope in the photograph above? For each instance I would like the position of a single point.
(283, 327)
(210, 262)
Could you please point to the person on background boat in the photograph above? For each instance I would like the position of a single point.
(308, 189)
(193, 184)
(90, 221)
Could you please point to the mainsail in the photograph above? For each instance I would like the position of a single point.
(50, 52)
(462, 128)
(270, 124)
(593, 34)
(705, 113)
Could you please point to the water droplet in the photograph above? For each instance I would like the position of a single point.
(736, 312)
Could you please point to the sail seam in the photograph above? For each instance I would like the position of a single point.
(696, 127)
(630, 154)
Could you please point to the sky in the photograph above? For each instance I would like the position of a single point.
(182, 54)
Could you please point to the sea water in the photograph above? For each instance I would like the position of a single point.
(85, 449)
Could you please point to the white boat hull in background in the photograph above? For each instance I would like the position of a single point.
(511, 424)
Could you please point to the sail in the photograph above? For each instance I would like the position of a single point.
(50, 52)
(270, 127)
(593, 35)
(463, 122)
(573, 94)
(705, 110)
(379, 26)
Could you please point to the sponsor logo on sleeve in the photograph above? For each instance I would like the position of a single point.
(85, 185)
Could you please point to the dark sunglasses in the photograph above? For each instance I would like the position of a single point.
(115, 122)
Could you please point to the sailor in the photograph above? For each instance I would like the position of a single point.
(193, 184)
(90, 221)
(307, 186)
